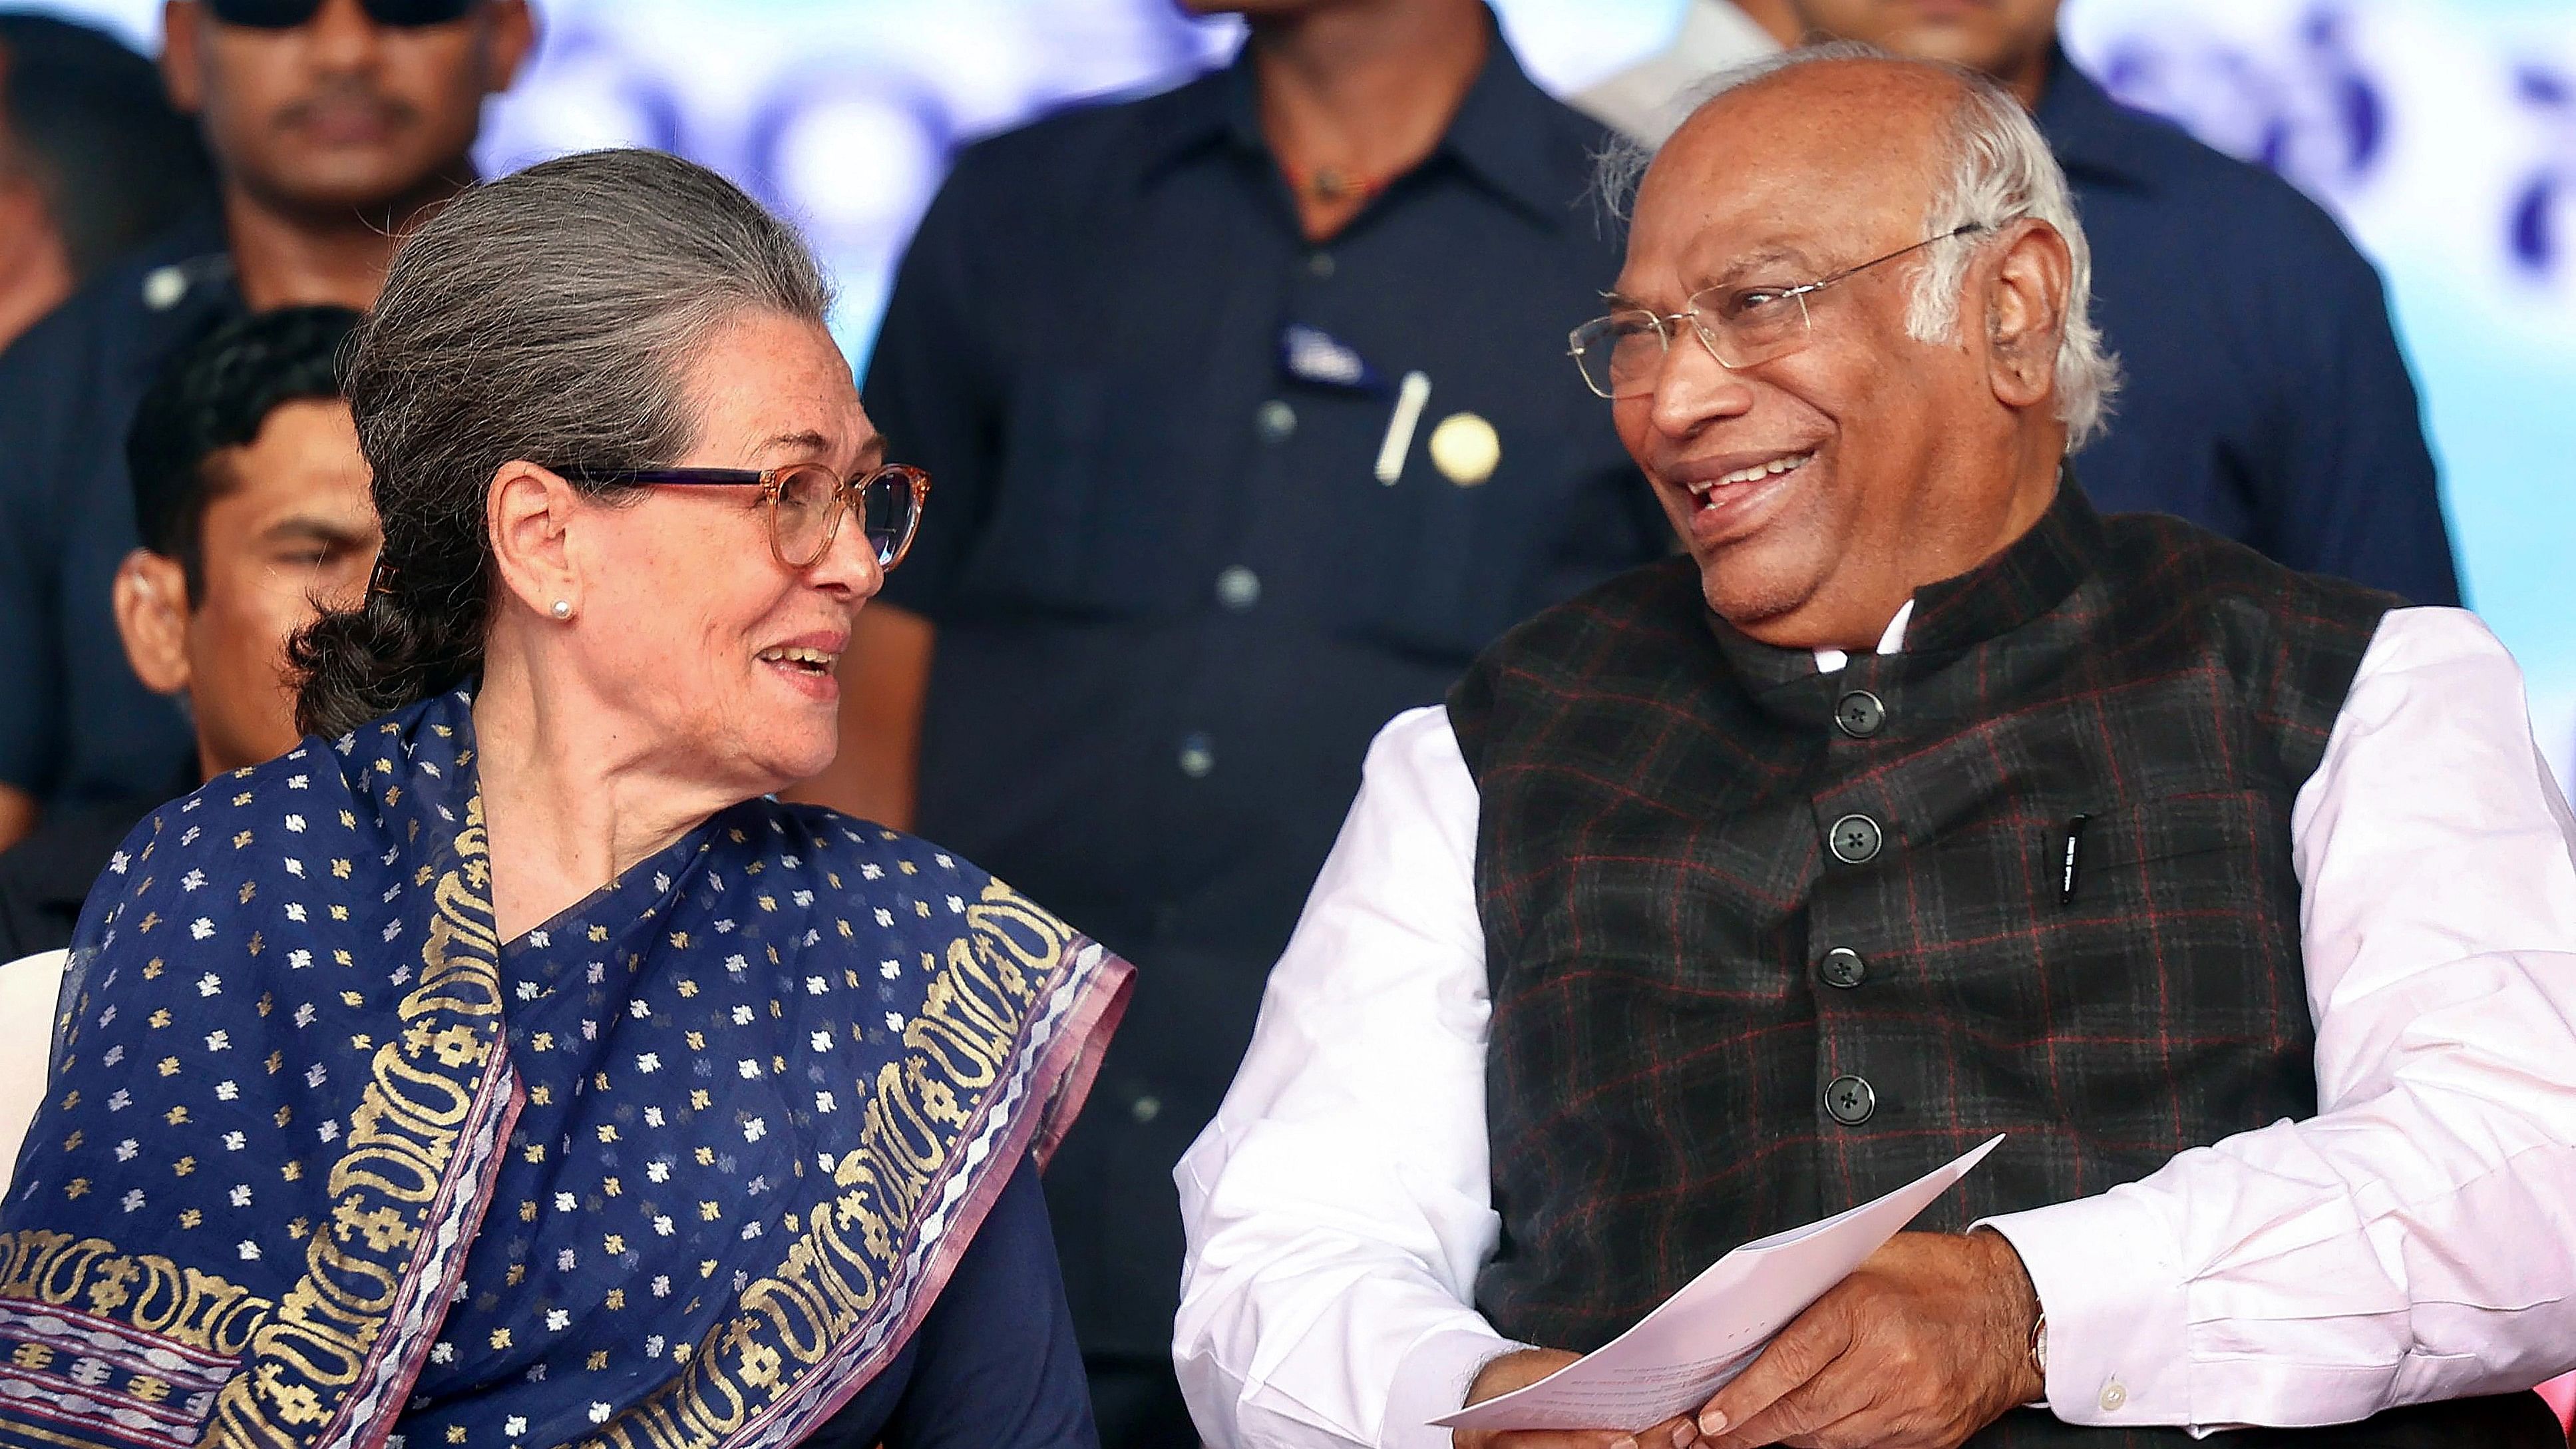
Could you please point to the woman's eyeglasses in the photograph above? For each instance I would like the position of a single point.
(806, 503)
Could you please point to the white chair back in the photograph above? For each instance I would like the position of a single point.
(28, 988)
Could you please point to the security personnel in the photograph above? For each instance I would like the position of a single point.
(97, 161)
(332, 124)
(1244, 415)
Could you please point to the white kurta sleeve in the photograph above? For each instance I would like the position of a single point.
(2415, 1240)
(1338, 1208)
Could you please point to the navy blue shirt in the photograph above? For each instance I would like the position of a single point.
(1174, 599)
(2266, 398)
(76, 726)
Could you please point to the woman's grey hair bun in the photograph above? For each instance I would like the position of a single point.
(548, 316)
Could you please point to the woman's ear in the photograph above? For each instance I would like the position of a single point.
(2026, 314)
(150, 600)
(532, 513)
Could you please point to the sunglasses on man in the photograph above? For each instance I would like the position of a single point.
(287, 14)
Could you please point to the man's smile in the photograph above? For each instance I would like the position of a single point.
(1706, 491)
(1729, 496)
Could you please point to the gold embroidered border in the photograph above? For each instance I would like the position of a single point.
(310, 1354)
(143, 1291)
(956, 1050)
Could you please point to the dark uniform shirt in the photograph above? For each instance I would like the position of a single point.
(45, 877)
(1174, 598)
(76, 726)
(2266, 398)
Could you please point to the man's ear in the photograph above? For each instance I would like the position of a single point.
(150, 598)
(182, 47)
(2026, 313)
(531, 514)
(509, 34)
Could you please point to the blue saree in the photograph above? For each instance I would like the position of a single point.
(323, 1163)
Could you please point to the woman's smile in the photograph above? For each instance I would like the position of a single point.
(807, 663)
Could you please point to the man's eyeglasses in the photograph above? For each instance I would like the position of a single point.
(806, 503)
(287, 14)
(1741, 324)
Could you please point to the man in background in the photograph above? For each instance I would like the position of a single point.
(1648, 99)
(1243, 409)
(93, 162)
(332, 130)
(253, 507)
(2266, 398)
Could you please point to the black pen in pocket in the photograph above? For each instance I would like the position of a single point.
(2071, 860)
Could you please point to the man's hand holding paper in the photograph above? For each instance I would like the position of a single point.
(1928, 1342)
(1844, 1326)
(1923, 1345)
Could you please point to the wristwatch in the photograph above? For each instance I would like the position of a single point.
(2039, 1347)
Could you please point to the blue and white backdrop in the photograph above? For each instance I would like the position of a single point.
(2443, 132)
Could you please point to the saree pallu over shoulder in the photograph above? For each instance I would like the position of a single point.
(285, 1083)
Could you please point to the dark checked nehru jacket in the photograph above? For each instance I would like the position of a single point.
(1765, 943)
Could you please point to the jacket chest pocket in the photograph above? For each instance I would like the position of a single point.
(2179, 914)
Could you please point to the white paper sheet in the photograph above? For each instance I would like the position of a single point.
(1678, 1356)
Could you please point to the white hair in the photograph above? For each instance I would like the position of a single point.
(2001, 171)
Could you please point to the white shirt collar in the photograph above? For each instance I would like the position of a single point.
(1831, 661)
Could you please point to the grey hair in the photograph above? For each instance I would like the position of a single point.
(549, 316)
(2001, 171)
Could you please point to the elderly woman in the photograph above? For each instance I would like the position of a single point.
(504, 1066)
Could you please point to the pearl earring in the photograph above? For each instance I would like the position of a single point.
(563, 608)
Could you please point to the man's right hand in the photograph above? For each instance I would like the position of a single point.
(1526, 1366)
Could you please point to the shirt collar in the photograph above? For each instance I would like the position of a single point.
(1831, 661)
(1503, 133)
(2093, 135)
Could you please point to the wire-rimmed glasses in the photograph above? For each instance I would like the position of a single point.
(1742, 324)
(806, 503)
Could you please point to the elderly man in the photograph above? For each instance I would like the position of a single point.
(2269, 400)
(1918, 803)
(2267, 396)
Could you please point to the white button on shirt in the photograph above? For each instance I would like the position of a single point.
(2416, 1240)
